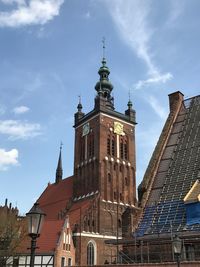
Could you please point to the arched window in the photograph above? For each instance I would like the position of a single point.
(91, 253)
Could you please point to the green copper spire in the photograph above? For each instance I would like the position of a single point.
(104, 87)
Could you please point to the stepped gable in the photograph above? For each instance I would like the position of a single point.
(176, 173)
(55, 198)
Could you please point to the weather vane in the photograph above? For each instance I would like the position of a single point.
(129, 94)
(61, 145)
(104, 46)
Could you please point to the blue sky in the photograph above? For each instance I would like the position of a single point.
(50, 52)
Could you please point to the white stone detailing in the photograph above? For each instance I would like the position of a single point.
(94, 158)
(88, 234)
(117, 146)
(118, 161)
(129, 164)
(106, 158)
(111, 129)
(123, 162)
(112, 159)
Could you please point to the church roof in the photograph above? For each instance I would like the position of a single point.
(55, 198)
(178, 164)
(49, 237)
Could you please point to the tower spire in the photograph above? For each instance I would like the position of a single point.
(104, 87)
(59, 170)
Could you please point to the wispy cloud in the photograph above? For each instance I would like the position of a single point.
(16, 129)
(176, 10)
(132, 22)
(8, 158)
(20, 110)
(30, 12)
(157, 107)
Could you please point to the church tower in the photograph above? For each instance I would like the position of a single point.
(104, 161)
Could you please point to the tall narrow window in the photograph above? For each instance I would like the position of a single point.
(121, 149)
(92, 141)
(63, 262)
(69, 262)
(91, 253)
(113, 146)
(109, 177)
(125, 150)
(108, 146)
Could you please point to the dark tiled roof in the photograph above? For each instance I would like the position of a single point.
(178, 170)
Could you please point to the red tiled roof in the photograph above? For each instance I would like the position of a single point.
(49, 237)
(55, 198)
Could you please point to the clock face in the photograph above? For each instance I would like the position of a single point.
(118, 128)
(86, 129)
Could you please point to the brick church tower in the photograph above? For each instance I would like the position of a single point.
(104, 171)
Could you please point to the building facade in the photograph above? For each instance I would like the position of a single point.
(169, 193)
(86, 209)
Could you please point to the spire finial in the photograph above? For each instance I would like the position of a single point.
(79, 98)
(61, 145)
(104, 46)
(129, 100)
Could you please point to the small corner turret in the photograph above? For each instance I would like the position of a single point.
(79, 114)
(130, 112)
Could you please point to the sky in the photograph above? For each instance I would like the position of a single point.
(50, 53)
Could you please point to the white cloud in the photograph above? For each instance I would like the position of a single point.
(155, 78)
(8, 158)
(157, 107)
(21, 110)
(30, 13)
(16, 129)
(132, 21)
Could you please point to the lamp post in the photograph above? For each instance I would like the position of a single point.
(177, 247)
(35, 220)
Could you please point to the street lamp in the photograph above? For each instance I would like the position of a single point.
(177, 247)
(35, 220)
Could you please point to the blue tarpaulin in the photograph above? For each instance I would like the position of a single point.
(193, 213)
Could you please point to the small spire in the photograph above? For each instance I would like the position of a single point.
(59, 171)
(79, 107)
(130, 104)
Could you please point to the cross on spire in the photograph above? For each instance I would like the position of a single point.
(61, 145)
(104, 46)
